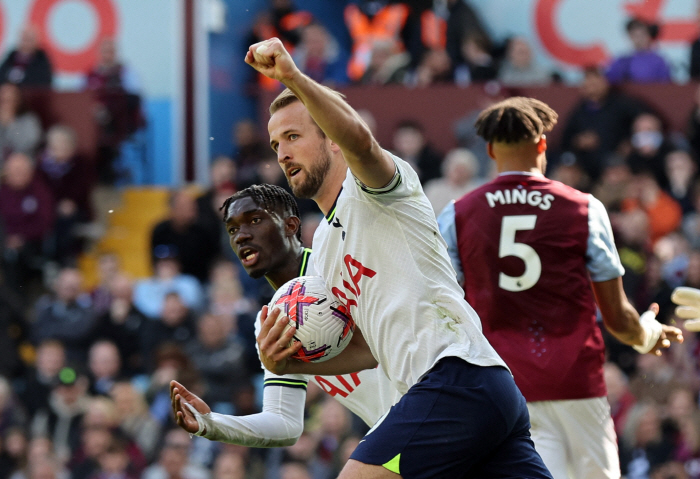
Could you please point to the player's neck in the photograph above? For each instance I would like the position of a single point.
(515, 163)
(288, 270)
(332, 184)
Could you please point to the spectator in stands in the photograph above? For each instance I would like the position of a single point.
(110, 73)
(642, 444)
(222, 177)
(70, 179)
(118, 110)
(664, 213)
(26, 214)
(219, 356)
(196, 248)
(122, 323)
(13, 328)
(27, 65)
(282, 20)
(410, 143)
(619, 396)
(459, 176)
(691, 221)
(681, 172)
(135, 420)
(105, 366)
(229, 466)
(60, 420)
(66, 315)
(462, 21)
(249, 151)
(319, 56)
(94, 441)
(377, 28)
(693, 128)
(387, 64)
(649, 147)
(435, 67)
(611, 188)
(12, 414)
(643, 65)
(175, 325)
(478, 64)
(519, 68)
(174, 461)
(99, 427)
(599, 124)
(39, 380)
(295, 470)
(108, 267)
(114, 462)
(150, 293)
(20, 129)
(225, 293)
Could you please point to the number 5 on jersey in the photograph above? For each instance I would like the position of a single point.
(509, 247)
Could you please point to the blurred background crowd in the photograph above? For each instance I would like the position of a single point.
(91, 332)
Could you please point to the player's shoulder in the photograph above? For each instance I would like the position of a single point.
(568, 192)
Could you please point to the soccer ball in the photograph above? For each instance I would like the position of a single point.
(324, 326)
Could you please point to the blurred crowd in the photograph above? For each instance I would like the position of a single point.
(84, 372)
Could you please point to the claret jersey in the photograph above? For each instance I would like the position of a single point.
(380, 252)
(527, 249)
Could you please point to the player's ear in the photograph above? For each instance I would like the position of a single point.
(291, 226)
(334, 147)
(489, 150)
(542, 145)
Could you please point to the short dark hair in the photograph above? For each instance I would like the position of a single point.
(271, 198)
(651, 28)
(514, 120)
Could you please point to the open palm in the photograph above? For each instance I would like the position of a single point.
(179, 395)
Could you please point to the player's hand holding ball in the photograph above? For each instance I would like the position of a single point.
(275, 343)
(270, 58)
(688, 301)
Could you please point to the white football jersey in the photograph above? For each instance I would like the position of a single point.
(380, 251)
(368, 394)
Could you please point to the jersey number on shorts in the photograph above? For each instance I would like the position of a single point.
(509, 247)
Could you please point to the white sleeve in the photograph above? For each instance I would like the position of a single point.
(448, 230)
(603, 262)
(279, 424)
(404, 183)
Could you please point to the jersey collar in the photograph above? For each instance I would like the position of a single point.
(331, 212)
(305, 255)
(522, 173)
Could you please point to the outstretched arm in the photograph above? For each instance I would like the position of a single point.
(366, 159)
(644, 333)
(279, 424)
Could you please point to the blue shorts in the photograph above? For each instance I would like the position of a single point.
(460, 420)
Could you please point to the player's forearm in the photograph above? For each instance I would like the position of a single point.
(355, 357)
(338, 120)
(625, 326)
(280, 424)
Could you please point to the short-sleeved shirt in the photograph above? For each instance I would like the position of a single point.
(527, 249)
(380, 251)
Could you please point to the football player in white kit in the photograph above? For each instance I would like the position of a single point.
(265, 233)
(379, 250)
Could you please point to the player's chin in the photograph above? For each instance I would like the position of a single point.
(255, 271)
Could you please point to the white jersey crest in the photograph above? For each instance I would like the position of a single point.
(372, 241)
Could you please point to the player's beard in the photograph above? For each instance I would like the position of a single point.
(314, 175)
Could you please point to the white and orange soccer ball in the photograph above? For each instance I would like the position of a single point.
(324, 325)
